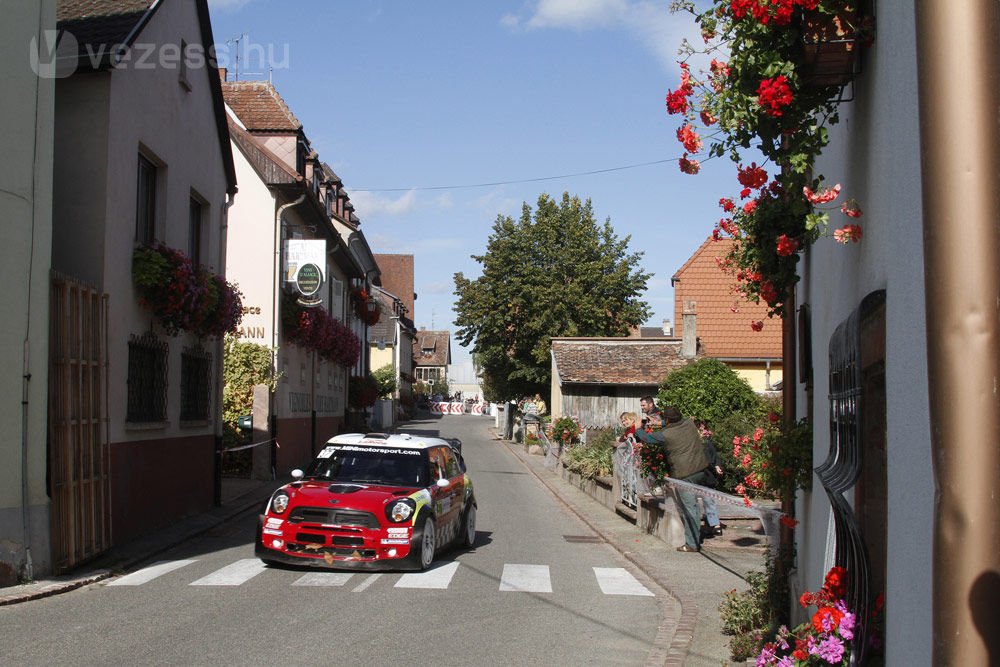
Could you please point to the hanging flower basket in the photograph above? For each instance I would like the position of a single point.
(365, 306)
(831, 47)
(184, 297)
(315, 329)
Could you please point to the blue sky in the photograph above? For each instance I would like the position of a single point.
(412, 102)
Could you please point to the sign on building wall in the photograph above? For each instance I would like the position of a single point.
(305, 262)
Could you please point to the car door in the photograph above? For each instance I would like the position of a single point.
(447, 499)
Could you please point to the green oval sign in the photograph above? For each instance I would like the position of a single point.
(309, 279)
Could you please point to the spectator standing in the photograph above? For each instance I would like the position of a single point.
(686, 453)
(540, 407)
(715, 473)
(652, 416)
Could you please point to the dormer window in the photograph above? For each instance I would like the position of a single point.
(301, 151)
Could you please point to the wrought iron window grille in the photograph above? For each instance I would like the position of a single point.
(147, 379)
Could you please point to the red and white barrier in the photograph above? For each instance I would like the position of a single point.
(440, 407)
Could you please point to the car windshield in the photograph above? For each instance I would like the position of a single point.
(370, 465)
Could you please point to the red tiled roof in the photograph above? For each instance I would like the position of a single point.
(632, 361)
(439, 345)
(259, 106)
(397, 278)
(100, 22)
(723, 333)
(271, 169)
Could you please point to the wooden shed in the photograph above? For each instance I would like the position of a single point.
(596, 379)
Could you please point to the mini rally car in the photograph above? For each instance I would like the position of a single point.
(371, 501)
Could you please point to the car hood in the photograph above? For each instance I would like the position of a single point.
(346, 494)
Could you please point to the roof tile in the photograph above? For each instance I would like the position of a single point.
(632, 361)
(723, 315)
(259, 106)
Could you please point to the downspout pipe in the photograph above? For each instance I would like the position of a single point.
(276, 317)
(958, 50)
(220, 347)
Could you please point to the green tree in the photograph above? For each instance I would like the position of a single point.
(386, 378)
(553, 272)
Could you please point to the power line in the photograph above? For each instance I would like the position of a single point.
(513, 182)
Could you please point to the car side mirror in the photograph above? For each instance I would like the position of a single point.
(297, 474)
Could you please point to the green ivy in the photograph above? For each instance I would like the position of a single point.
(244, 366)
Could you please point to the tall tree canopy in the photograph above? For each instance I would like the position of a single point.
(554, 272)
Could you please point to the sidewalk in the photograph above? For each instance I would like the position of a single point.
(697, 582)
(238, 496)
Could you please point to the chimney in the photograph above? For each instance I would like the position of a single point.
(689, 335)
(222, 74)
(667, 329)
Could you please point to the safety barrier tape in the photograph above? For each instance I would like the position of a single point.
(255, 444)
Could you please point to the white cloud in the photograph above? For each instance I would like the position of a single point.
(577, 14)
(650, 23)
(369, 205)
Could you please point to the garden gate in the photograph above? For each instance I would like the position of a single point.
(78, 440)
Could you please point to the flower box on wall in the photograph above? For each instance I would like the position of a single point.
(831, 47)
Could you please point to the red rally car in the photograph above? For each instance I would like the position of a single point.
(371, 501)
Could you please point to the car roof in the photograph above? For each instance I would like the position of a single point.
(406, 440)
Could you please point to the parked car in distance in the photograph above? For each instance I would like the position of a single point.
(371, 501)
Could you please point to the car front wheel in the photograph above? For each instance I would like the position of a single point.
(469, 526)
(426, 544)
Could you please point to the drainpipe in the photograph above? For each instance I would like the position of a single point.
(276, 319)
(27, 572)
(223, 238)
(957, 49)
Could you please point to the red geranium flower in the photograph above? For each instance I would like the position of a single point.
(786, 246)
(774, 95)
(751, 177)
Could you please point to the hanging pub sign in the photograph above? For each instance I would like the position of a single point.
(304, 262)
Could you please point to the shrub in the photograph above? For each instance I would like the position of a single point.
(386, 378)
(362, 391)
(710, 391)
(750, 616)
(566, 430)
(593, 459)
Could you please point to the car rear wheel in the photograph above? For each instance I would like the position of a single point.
(469, 526)
(426, 544)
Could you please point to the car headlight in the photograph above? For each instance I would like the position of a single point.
(400, 510)
(279, 502)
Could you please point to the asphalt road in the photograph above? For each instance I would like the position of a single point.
(537, 588)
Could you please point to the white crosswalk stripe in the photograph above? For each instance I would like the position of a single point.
(439, 577)
(147, 574)
(233, 575)
(323, 579)
(618, 581)
(526, 578)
